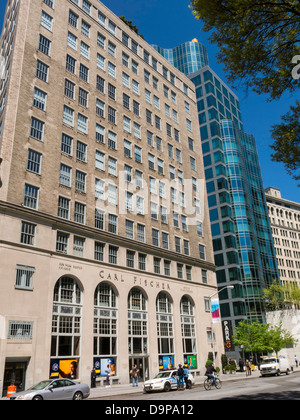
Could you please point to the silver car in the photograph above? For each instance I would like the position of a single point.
(58, 389)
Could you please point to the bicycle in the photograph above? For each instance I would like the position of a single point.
(209, 383)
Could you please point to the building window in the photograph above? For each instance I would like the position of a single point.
(65, 175)
(31, 197)
(44, 45)
(100, 161)
(62, 242)
(141, 236)
(113, 223)
(167, 267)
(84, 73)
(85, 50)
(19, 330)
(112, 115)
(130, 255)
(68, 116)
(81, 151)
(188, 326)
(69, 89)
(80, 182)
(99, 251)
(142, 262)
(100, 134)
(105, 323)
(73, 19)
(78, 246)
(66, 321)
(202, 252)
(42, 71)
(137, 323)
(113, 255)
(180, 271)
(156, 264)
(28, 231)
(99, 219)
(24, 277)
(79, 213)
(100, 84)
(39, 99)
(83, 98)
(49, 3)
(34, 161)
(82, 124)
(64, 208)
(165, 240)
(72, 41)
(37, 129)
(165, 327)
(86, 7)
(46, 21)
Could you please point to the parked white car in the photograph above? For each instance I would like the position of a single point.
(274, 366)
(165, 381)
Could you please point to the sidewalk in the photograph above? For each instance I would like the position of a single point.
(128, 389)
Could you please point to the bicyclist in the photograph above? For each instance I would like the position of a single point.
(210, 373)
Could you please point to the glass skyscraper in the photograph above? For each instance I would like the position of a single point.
(188, 57)
(241, 230)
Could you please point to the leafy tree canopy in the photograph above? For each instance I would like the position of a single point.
(258, 41)
(262, 338)
(131, 26)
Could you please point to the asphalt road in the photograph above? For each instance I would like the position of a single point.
(269, 388)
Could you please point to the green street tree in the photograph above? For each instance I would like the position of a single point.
(279, 297)
(274, 296)
(253, 336)
(279, 338)
(262, 338)
(259, 45)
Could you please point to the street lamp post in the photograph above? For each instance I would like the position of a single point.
(212, 323)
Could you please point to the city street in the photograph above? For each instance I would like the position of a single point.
(272, 388)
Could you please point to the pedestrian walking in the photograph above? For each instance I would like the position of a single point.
(180, 383)
(135, 376)
(241, 365)
(93, 378)
(296, 361)
(186, 376)
(248, 368)
(108, 373)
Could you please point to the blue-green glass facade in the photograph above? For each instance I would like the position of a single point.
(188, 57)
(242, 239)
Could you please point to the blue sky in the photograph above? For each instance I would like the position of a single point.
(170, 23)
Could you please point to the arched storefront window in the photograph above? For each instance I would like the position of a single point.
(188, 330)
(165, 331)
(138, 332)
(66, 329)
(105, 329)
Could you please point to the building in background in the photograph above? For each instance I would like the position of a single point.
(241, 231)
(105, 250)
(285, 222)
(188, 57)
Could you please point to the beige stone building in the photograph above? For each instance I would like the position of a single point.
(285, 221)
(105, 244)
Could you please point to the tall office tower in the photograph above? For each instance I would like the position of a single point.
(285, 222)
(188, 57)
(106, 252)
(242, 238)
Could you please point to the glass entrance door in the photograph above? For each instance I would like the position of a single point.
(142, 365)
(14, 374)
